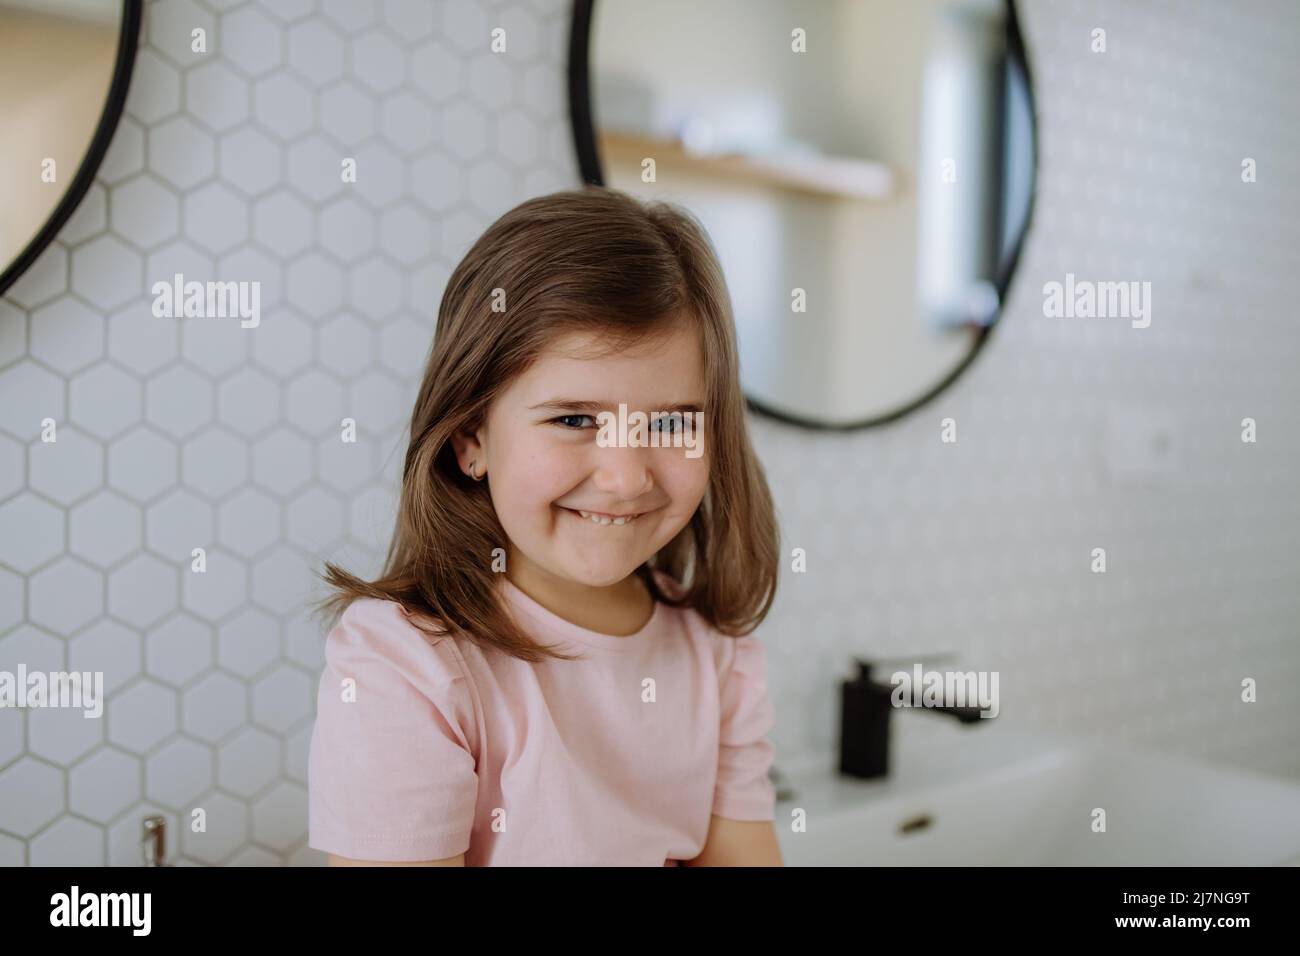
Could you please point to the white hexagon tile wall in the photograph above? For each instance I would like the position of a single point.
(226, 163)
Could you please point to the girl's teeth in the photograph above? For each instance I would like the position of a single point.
(605, 519)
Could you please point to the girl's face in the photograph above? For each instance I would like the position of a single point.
(544, 463)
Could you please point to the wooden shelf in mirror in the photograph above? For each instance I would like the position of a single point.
(835, 176)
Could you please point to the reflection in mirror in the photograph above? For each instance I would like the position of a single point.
(863, 166)
(57, 59)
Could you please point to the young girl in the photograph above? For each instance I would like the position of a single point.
(556, 666)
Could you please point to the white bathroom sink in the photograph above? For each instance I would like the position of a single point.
(1023, 804)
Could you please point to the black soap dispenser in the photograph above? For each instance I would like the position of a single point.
(864, 724)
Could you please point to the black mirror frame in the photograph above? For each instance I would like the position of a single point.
(584, 140)
(128, 41)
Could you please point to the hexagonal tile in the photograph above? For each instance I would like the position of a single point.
(347, 229)
(107, 272)
(140, 341)
(142, 716)
(41, 787)
(315, 168)
(517, 138)
(178, 773)
(314, 403)
(105, 401)
(282, 699)
(216, 96)
(11, 603)
(248, 763)
(406, 235)
(155, 88)
(249, 402)
(283, 343)
(218, 591)
(109, 647)
(28, 395)
(282, 105)
(13, 332)
(377, 61)
(70, 842)
(171, 24)
(104, 529)
(282, 223)
(380, 176)
(347, 113)
(375, 288)
(282, 461)
(464, 130)
(125, 156)
(142, 464)
(250, 161)
(345, 466)
(66, 335)
(248, 643)
(178, 524)
(46, 278)
(404, 345)
(265, 277)
(178, 401)
(63, 735)
(409, 21)
(144, 212)
(248, 523)
(314, 285)
(491, 80)
(65, 596)
(316, 51)
(437, 182)
(214, 463)
(143, 591)
(39, 649)
(227, 830)
(215, 218)
(216, 345)
(13, 467)
(280, 817)
(214, 707)
(283, 582)
(250, 40)
(181, 152)
(178, 650)
(67, 469)
(465, 24)
(90, 217)
(346, 345)
(407, 121)
(104, 784)
(314, 520)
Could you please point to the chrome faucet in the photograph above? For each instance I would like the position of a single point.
(153, 842)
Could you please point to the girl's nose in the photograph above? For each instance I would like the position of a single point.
(623, 473)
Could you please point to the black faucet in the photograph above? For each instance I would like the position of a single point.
(865, 706)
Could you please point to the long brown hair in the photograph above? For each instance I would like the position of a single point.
(587, 259)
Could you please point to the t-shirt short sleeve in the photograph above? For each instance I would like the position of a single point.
(744, 791)
(391, 770)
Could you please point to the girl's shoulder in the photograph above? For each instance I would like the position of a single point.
(373, 629)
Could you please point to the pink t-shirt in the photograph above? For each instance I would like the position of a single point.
(449, 748)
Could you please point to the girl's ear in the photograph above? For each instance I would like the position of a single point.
(469, 451)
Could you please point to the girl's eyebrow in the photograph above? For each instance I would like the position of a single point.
(574, 405)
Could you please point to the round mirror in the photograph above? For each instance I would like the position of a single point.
(864, 167)
(64, 70)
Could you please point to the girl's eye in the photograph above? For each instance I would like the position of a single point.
(673, 424)
(566, 418)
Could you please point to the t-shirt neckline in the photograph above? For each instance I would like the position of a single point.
(553, 624)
